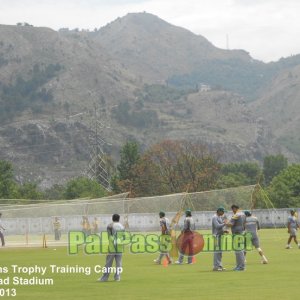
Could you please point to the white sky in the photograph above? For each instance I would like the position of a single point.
(268, 29)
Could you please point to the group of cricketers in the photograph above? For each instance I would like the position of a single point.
(240, 223)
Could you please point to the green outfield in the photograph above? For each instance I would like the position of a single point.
(142, 279)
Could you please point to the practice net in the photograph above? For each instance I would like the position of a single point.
(39, 223)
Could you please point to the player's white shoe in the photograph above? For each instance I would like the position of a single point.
(219, 269)
(288, 247)
(264, 261)
(156, 261)
(178, 262)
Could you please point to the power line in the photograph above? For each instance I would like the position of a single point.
(13, 147)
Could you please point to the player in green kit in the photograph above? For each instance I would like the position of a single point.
(293, 226)
(1, 233)
(188, 237)
(113, 229)
(218, 224)
(237, 224)
(252, 226)
(57, 229)
(165, 230)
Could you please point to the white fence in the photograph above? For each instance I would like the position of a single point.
(137, 222)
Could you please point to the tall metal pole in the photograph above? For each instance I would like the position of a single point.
(97, 165)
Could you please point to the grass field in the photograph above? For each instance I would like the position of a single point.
(142, 279)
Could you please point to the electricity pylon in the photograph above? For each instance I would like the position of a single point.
(97, 167)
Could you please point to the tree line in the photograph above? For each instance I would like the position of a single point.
(178, 166)
(170, 167)
(11, 190)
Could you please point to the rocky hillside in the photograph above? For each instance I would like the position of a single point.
(279, 105)
(159, 52)
(148, 80)
(155, 49)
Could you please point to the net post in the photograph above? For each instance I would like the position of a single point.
(26, 233)
(44, 241)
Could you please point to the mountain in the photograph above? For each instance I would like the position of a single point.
(46, 78)
(155, 49)
(140, 78)
(279, 105)
(85, 64)
(159, 52)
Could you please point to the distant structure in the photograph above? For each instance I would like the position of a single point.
(205, 88)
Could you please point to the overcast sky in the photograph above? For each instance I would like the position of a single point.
(268, 29)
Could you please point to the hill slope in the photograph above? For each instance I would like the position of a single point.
(159, 52)
(143, 75)
(280, 106)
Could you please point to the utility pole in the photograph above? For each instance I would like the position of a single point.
(227, 41)
(97, 167)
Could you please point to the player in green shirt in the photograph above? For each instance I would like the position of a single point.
(165, 230)
(252, 226)
(293, 226)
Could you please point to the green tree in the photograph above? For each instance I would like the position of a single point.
(123, 180)
(273, 165)
(129, 157)
(30, 190)
(232, 180)
(56, 192)
(284, 189)
(8, 186)
(241, 173)
(115, 184)
(83, 187)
